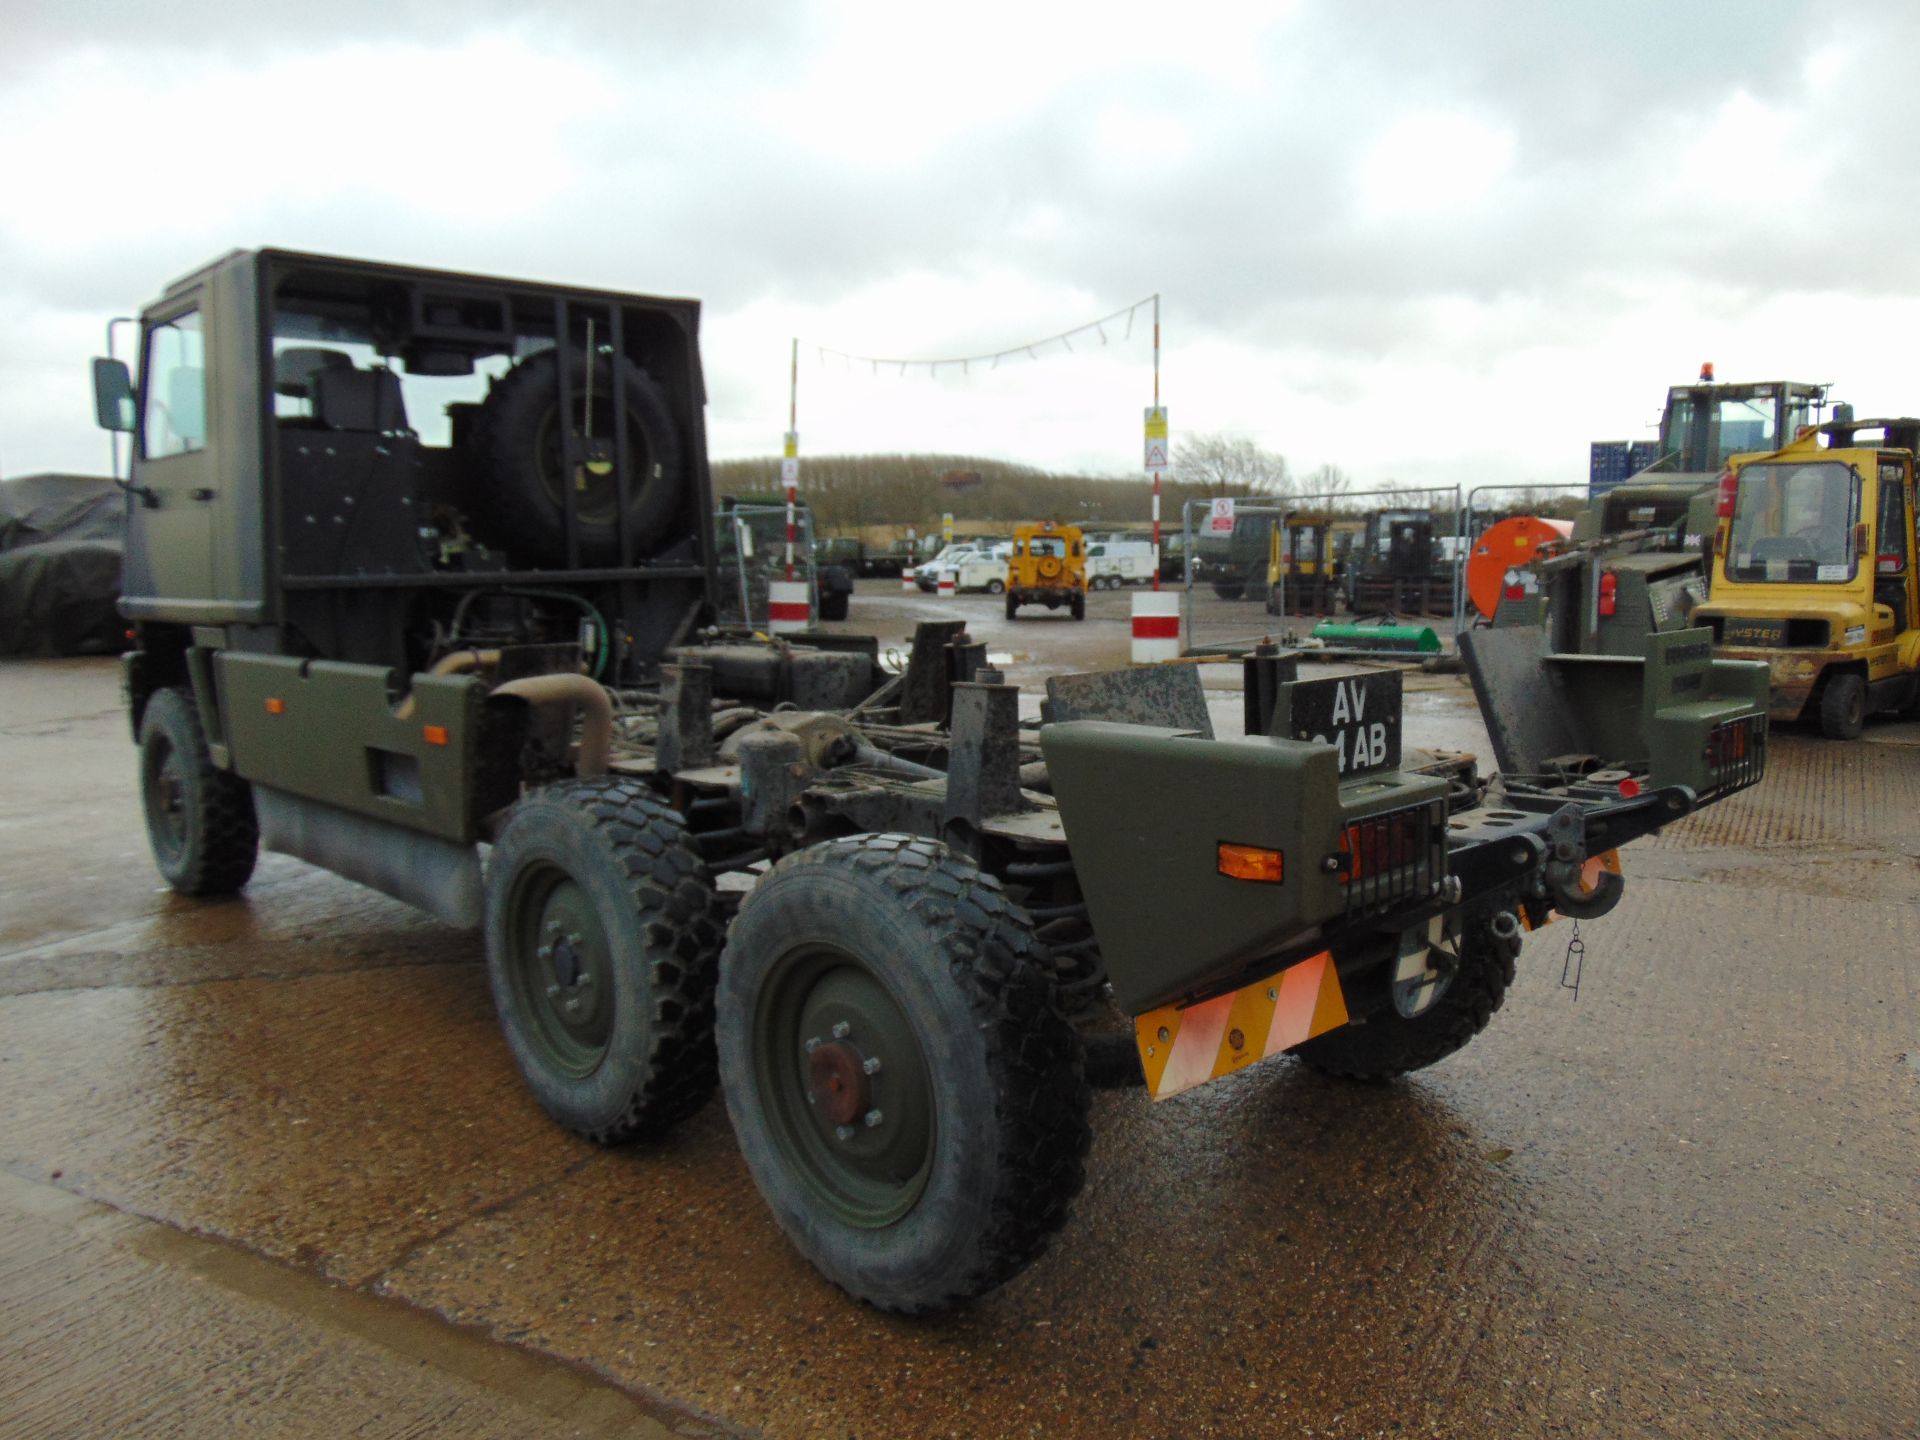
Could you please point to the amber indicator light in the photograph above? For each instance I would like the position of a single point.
(276, 706)
(1251, 862)
(434, 734)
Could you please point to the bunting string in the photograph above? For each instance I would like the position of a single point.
(1032, 349)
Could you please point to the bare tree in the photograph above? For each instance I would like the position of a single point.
(1221, 464)
(1327, 480)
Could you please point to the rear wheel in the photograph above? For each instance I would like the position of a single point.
(200, 820)
(907, 1094)
(1228, 590)
(996, 586)
(603, 932)
(1012, 605)
(1843, 707)
(1079, 604)
(1389, 1044)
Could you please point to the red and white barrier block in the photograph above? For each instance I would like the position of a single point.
(909, 579)
(947, 578)
(787, 607)
(1156, 626)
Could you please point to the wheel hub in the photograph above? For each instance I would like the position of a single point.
(837, 1082)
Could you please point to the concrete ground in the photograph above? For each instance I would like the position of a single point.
(265, 1168)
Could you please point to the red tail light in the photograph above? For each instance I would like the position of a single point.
(1385, 843)
(1729, 483)
(1609, 592)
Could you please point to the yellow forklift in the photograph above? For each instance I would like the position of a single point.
(1306, 559)
(1813, 571)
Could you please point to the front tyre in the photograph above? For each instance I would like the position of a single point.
(907, 1094)
(1843, 707)
(1389, 1045)
(200, 820)
(603, 932)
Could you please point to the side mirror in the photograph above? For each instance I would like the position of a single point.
(112, 395)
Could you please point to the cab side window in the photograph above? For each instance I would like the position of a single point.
(174, 380)
(1894, 536)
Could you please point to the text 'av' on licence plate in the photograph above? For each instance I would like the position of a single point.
(1359, 715)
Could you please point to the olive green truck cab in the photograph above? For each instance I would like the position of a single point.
(422, 583)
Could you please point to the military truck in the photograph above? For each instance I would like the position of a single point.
(421, 572)
(1235, 564)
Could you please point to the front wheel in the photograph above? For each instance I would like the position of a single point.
(200, 820)
(1843, 707)
(996, 587)
(1012, 605)
(907, 1094)
(1079, 604)
(603, 932)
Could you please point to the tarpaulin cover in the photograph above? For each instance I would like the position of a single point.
(61, 538)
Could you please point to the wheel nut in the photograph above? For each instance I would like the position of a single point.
(553, 992)
(545, 952)
(873, 1118)
(844, 1132)
(841, 1030)
(871, 1065)
(813, 1043)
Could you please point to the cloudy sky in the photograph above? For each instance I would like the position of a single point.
(1429, 243)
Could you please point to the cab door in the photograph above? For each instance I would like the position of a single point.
(170, 551)
(1893, 569)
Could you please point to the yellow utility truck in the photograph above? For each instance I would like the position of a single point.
(1048, 567)
(1813, 571)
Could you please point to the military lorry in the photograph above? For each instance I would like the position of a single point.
(1235, 564)
(421, 575)
(1814, 573)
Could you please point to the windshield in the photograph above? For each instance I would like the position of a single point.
(1794, 523)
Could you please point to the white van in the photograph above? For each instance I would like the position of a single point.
(1113, 563)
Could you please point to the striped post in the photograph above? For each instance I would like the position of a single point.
(947, 578)
(909, 579)
(787, 607)
(1156, 626)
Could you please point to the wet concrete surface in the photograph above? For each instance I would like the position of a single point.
(1680, 1205)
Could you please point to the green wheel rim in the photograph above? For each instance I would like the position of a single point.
(164, 774)
(844, 1085)
(560, 967)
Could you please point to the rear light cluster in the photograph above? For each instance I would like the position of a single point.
(1736, 754)
(1392, 859)
(1729, 483)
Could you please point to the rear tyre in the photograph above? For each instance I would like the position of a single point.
(603, 934)
(1843, 707)
(519, 502)
(833, 605)
(200, 820)
(1227, 590)
(1012, 605)
(996, 587)
(1079, 604)
(1389, 1045)
(907, 1094)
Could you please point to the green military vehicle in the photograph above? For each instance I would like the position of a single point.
(420, 569)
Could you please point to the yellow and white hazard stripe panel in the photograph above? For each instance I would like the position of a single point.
(1185, 1046)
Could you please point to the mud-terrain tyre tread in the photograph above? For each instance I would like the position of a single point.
(1843, 707)
(980, 956)
(510, 506)
(1390, 1045)
(222, 841)
(677, 928)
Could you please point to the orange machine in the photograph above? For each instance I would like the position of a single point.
(1511, 544)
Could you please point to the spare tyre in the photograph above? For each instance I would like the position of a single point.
(518, 496)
